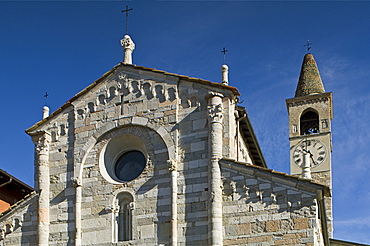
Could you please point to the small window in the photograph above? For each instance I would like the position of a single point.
(130, 165)
(124, 217)
(309, 123)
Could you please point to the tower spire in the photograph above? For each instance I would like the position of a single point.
(309, 82)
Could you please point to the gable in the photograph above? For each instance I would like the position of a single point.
(142, 81)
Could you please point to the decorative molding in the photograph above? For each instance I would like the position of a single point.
(308, 101)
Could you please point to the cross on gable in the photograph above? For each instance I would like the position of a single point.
(224, 50)
(126, 11)
(46, 98)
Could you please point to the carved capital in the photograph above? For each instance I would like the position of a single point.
(172, 165)
(42, 142)
(77, 182)
(131, 206)
(215, 112)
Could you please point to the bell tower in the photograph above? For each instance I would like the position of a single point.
(310, 114)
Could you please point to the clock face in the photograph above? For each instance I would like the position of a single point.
(314, 148)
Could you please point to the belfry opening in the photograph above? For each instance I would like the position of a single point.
(309, 123)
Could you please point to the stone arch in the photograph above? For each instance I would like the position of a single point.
(111, 127)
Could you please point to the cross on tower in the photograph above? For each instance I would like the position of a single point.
(224, 50)
(308, 45)
(126, 11)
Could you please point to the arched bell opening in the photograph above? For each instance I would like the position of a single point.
(309, 122)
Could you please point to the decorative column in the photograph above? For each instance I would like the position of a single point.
(77, 183)
(215, 236)
(128, 46)
(172, 168)
(42, 185)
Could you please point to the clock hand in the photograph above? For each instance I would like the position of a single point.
(313, 161)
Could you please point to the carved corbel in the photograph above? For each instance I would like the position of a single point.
(171, 165)
(110, 209)
(77, 182)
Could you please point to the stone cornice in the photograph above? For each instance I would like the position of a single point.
(311, 99)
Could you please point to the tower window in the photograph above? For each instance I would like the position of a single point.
(309, 123)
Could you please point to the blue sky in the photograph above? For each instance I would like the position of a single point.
(60, 47)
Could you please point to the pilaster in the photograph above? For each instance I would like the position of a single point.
(172, 168)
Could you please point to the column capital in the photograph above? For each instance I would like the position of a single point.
(42, 140)
(215, 112)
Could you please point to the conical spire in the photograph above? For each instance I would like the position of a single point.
(309, 80)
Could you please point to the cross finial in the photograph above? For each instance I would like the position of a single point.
(46, 98)
(224, 50)
(308, 45)
(126, 11)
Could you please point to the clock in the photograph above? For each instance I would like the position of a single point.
(314, 148)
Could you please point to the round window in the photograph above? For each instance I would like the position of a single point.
(130, 165)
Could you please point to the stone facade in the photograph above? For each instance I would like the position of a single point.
(199, 184)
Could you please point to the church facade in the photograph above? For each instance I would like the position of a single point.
(146, 157)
